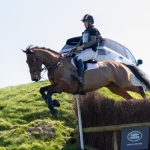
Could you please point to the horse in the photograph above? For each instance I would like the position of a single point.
(115, 76)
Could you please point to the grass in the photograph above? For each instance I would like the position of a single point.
(22, 107)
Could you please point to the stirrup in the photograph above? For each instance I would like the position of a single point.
(75, 77)
(80, 80)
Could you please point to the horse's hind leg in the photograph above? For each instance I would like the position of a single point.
(121, 92)
(137, 89)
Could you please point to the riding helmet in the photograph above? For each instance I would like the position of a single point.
(88, 18)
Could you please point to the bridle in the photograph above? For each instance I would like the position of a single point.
(51, 67)
(39, 70)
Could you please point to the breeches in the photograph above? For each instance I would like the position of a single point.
(87, 54)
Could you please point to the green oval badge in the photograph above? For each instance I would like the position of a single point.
(134, 136)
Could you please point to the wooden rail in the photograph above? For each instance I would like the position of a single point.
(113, 128)
(110, 128)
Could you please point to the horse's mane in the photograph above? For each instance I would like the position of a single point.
(44, 48)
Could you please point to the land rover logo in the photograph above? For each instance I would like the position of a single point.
(134, 136)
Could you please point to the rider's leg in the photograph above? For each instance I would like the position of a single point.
(80, 71)
(85, 55)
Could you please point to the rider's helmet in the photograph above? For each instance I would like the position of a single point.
(88, 18)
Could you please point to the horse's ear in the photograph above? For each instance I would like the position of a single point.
(27, 51)
(24, 51)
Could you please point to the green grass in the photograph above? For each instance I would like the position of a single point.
(22, 107)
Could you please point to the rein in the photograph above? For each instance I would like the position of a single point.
(52, 67)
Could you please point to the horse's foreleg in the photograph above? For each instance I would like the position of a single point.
(50, 102)
(45, 89)
(59, 88)
(120, 92)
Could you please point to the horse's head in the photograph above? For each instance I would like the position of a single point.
(34, 63)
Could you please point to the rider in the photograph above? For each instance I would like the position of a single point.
(87, 45)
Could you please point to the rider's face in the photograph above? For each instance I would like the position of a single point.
(86, 24)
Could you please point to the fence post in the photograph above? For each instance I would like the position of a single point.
(115, 141)
(80, 123)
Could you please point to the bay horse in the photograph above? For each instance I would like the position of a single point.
(113, 75)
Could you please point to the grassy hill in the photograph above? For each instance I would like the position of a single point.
(26, 123)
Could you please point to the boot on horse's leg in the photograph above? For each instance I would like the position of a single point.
(80, 71)
(53, 111)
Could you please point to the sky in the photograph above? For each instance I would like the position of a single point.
(50, 23)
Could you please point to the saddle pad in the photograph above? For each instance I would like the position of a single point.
(90, 66)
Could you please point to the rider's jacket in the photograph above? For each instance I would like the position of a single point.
(86, 37)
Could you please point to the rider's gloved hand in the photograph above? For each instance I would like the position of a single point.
(79, 48)
(72, 50)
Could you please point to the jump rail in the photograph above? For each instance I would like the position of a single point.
(109, 128)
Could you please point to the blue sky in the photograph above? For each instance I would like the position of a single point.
(50, 22)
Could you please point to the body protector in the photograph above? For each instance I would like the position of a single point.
(86, 37)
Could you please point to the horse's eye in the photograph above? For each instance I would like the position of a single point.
(32, 61)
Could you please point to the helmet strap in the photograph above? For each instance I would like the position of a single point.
(89, 23)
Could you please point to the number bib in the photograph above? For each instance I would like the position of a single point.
(85, 37)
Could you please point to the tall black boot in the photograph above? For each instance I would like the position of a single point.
(80, 71)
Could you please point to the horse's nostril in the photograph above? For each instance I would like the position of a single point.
(35, 80)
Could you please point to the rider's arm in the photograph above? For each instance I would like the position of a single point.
(79, 43)
(90, 43)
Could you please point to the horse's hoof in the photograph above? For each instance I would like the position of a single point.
(54, 112)
(56, 103)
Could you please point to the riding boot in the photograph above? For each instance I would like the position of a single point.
(80, 71)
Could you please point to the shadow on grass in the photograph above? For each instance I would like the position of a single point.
(32, 116)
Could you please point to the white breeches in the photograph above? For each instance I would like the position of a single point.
(87, 54)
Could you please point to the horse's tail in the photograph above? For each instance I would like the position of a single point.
(140, 75)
